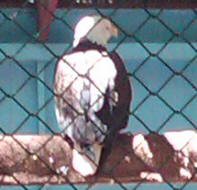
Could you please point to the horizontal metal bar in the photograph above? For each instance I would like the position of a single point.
(166, 4)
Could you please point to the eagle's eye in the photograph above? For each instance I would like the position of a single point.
(107, 27)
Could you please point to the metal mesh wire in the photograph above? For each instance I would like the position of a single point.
(22, 77)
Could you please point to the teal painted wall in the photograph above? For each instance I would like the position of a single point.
(19, 25)
(37, 98)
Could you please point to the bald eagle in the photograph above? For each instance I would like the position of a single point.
(92, 93)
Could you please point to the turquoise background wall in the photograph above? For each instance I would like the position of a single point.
(160, 62)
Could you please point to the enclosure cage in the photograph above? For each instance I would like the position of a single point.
(158, 44)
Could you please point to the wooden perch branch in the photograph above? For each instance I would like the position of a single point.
(38, 159)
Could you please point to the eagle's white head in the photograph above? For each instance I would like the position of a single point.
(95, 28)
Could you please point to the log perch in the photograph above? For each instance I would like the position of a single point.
(40, 159)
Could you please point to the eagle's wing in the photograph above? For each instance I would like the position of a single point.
(124, 89)
(119, 117)
(84, 82)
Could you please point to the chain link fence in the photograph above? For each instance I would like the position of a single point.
(158, 47)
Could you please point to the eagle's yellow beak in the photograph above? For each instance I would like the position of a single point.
(115, 30)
